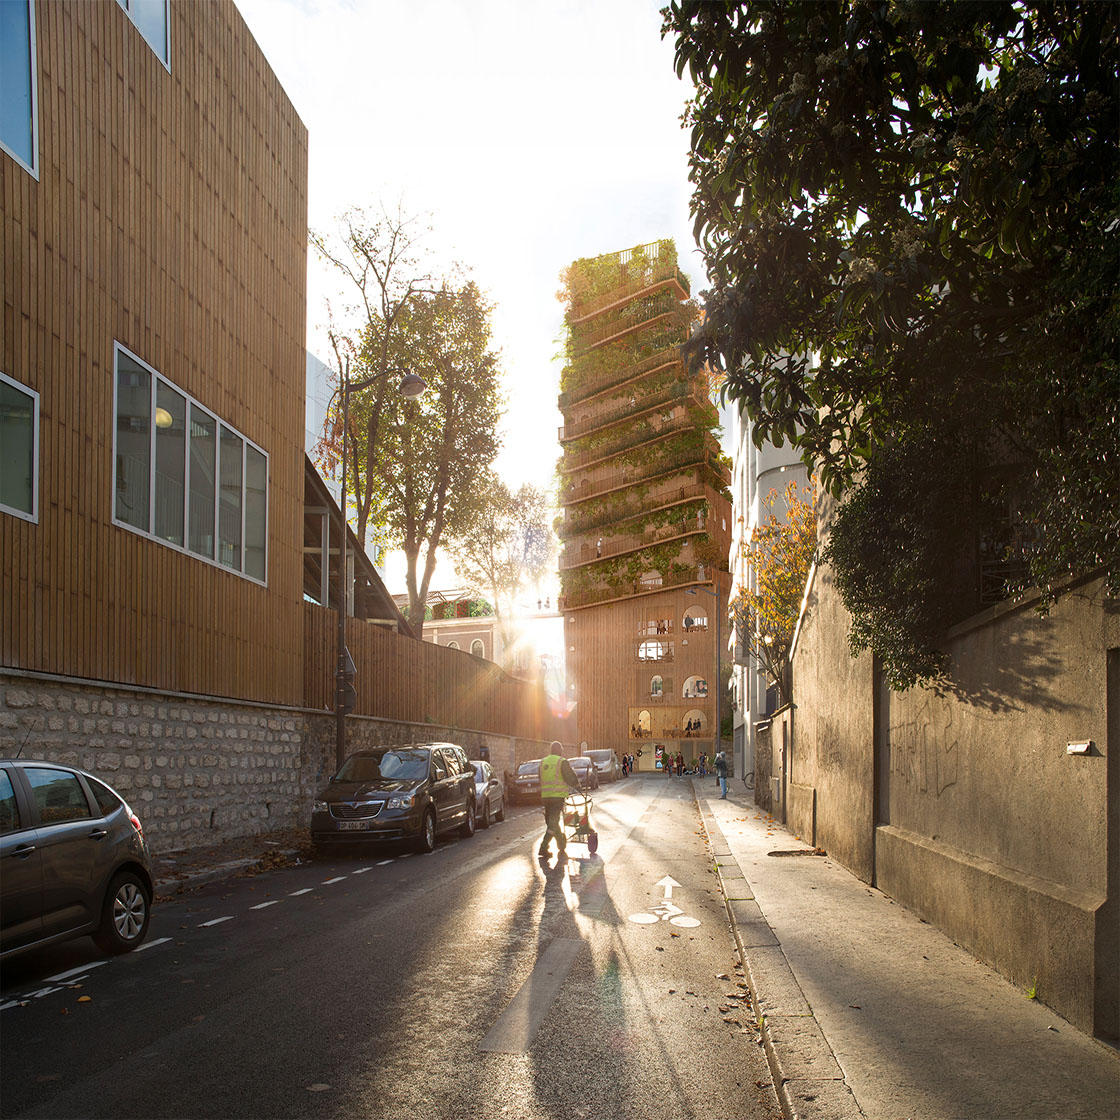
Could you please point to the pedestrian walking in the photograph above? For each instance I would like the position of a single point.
(557, 778)
(721, 773)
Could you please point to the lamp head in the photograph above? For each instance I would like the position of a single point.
(412, 385)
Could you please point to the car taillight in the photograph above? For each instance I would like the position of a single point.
(136, 823)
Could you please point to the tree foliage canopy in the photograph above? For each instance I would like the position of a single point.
(910, 214)
(507, 545)
(777, 561)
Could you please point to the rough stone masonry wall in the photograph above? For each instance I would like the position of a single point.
(201, 769)
(194, 769)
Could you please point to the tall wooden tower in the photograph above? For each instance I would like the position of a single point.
(646, 512)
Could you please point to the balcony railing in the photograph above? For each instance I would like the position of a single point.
(624, 321)
(654, 428)
(586, 489)
(615, 546)
(593, 595)
(610, 380)
(678, 390)
(672, 494)
(632, 280)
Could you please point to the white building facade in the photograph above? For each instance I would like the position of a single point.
(755, 472)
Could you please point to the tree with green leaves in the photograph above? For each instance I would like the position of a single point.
(776, 560)
(507, 546)
(436, 450)
(381, 260)
(910, 215)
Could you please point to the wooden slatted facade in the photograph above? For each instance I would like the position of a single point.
(169, 216)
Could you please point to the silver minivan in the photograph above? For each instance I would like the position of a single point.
(73, 860)
(606, 762)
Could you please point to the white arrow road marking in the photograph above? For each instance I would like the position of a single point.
(668, 883)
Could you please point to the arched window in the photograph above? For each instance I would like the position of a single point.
(651, 651)
(695, 618)
(694, 723)
(655, 686)
(643, 722)
(477, 648)
(695, 687)
(452, 645)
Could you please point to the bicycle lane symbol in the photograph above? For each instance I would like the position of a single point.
(666, 911)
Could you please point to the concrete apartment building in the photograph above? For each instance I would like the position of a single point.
(646, 517)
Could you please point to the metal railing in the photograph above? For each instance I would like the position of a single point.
(654, 268)
(615, 546)
(667, 355)
(590, 488)
(593, 595)
(625, 321)
(673, 494)
(654, 428)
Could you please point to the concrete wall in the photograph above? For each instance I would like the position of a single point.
(964, 803)
(199, 769)
(833, 734)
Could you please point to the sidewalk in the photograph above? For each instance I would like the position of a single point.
(177, 871)
(868, 1011)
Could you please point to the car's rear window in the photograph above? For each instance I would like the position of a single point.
(529, 768)
(107, 801)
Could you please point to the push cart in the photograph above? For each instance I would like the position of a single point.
(577, 822)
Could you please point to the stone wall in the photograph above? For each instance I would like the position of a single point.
(200, 769)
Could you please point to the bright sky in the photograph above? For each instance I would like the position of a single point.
(533, 131)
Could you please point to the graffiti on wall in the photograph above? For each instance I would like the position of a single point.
(923, 752)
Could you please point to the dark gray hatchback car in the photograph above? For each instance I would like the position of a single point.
(73, 860)
(414, 791)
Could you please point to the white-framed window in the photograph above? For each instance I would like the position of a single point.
(477, 648)
(452, 645)
(19, 84)
(651, 651)
(153, 20)
(19, 448)
(184, 477)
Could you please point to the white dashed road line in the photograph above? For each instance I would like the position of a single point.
(149, 945)
(265, 905)
(336, 879)
(74, 971)
(216, 921)
(306, 890)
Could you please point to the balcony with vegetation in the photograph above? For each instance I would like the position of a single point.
(594, 284)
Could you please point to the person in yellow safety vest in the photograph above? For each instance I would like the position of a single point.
(557, 777)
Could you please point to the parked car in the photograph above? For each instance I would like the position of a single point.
(489, 796)
(74, 859)
(411, 792)
(526, 785)
(586, 772)
(606, 763)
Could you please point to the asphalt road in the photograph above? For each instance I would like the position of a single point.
(469, 982)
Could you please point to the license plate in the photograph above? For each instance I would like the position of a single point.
(352, 826)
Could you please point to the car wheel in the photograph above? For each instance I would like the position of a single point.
(467, 827)
(484, 820)
(124, 914)
(427, 840)
(500, 815)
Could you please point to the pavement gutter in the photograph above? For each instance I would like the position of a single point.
(808, 1079)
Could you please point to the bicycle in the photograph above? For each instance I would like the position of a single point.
(748, 779)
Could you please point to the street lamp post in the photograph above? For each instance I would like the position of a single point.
(412, 385)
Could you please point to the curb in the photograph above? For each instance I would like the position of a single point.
(166, 887)
(807, 1077)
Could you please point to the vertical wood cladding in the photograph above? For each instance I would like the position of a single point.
(170, 215)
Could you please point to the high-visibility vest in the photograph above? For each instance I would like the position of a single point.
(552, 781)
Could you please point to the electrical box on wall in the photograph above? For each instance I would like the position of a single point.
(1085, 747)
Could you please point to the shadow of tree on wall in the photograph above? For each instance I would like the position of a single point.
(1023, 661)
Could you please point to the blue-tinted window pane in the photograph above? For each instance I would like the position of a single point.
(229, 500)
(171, 462)
(204, 459)
(17, 123)
(150, 16)
(256, 512)
(134, 442)
(17, 449)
